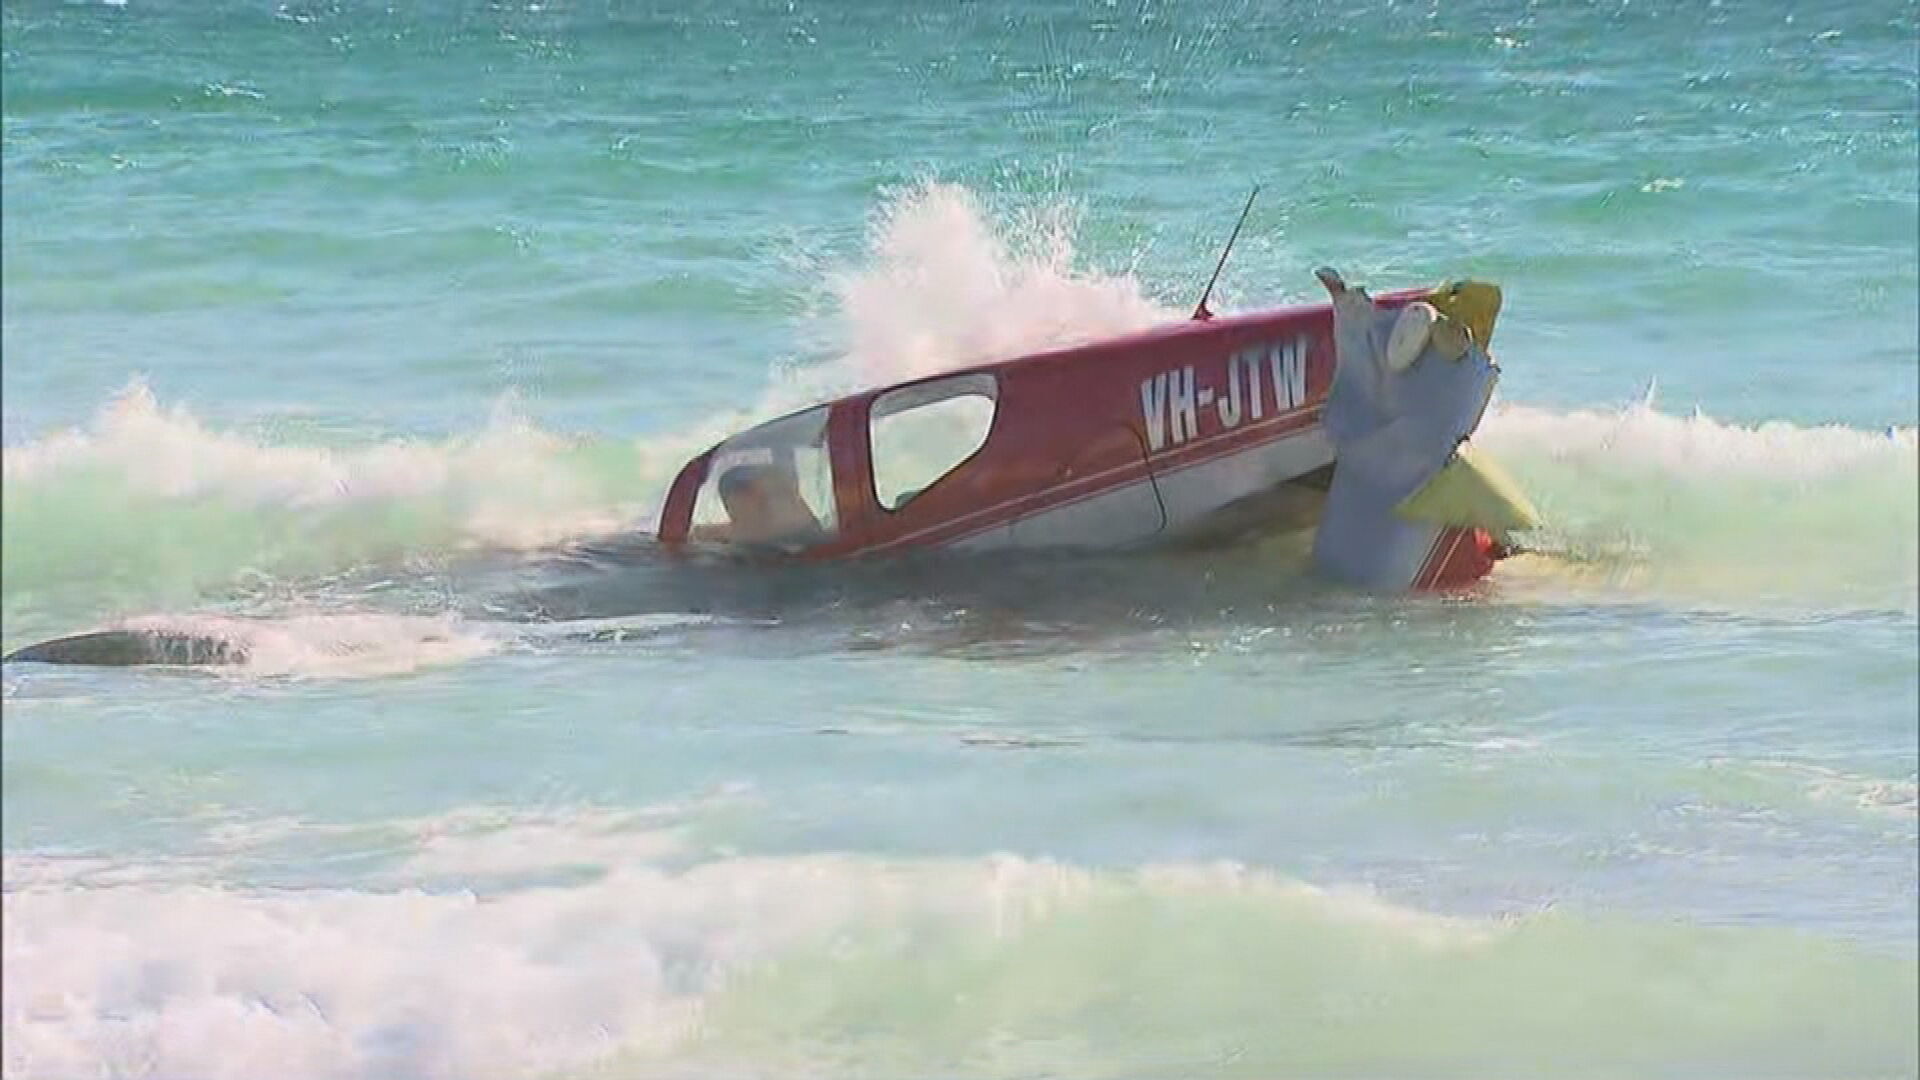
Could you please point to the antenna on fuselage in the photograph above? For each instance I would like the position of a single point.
(1201, 311)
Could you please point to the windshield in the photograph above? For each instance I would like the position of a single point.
(770, 488)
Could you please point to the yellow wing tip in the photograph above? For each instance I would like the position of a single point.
(1473, 304)
(1472, 491)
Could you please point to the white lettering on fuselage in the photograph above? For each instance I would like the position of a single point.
(1153, 408)
(1183, 424)
(1170, 401)
(1289, 365)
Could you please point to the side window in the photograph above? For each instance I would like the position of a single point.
(922, 433)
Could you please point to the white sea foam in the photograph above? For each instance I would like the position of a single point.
(508, 484)
(660, 961)
(945, 284)
(1707, 509)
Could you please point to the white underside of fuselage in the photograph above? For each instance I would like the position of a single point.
(1171, 504)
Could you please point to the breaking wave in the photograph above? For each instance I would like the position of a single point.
(149, 508)
(598, 944)
(1651, 503)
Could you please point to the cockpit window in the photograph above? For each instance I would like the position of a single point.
(770, 488)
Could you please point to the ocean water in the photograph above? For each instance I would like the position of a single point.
(327, 322)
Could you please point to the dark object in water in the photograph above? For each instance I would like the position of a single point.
(132, 648)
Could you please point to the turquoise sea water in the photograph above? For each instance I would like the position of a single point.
(324, 322)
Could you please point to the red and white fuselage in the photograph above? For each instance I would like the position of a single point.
(1151, 438)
